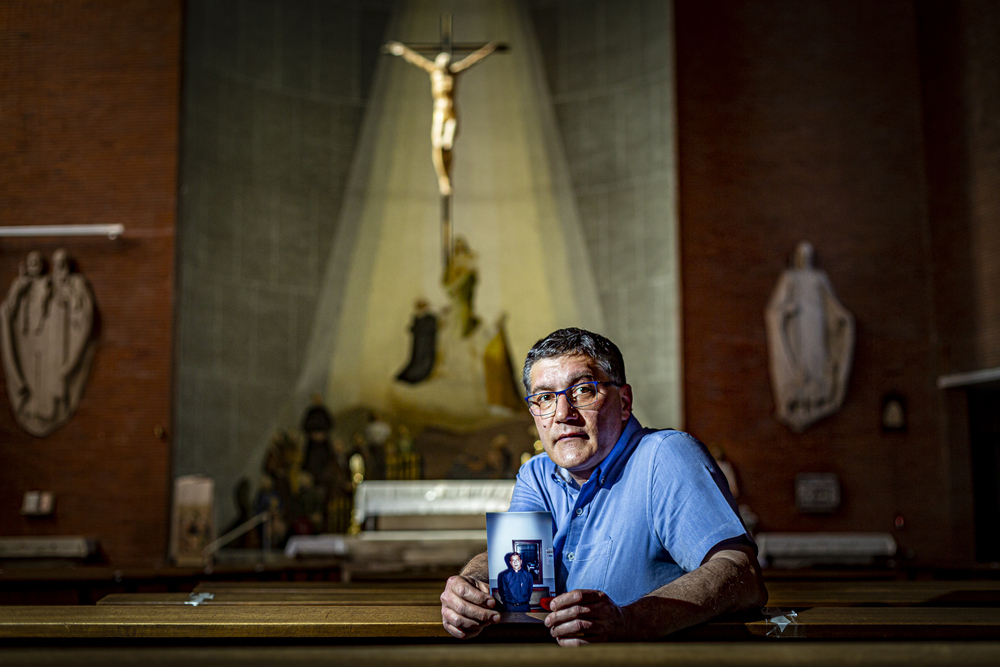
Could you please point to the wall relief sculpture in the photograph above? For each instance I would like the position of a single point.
(47, 339)
(810, 340)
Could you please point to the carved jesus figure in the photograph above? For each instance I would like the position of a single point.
(444, 124)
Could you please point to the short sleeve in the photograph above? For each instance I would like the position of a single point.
(690, 509)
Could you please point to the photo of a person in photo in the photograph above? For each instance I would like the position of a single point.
(515, 584)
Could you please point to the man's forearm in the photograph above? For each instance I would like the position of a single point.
(728, 582)
(477, 568)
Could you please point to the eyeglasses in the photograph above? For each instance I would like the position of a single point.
(580, 395)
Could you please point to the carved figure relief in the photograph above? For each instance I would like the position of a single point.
(47, 342)
(810, 340)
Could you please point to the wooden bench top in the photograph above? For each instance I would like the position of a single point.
(297, 586)
(793, 595)
(889, 593)
(424, 622)
(300, 597)
(221, 622)
(707, 654)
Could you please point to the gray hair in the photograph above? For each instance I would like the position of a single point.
(577, 341)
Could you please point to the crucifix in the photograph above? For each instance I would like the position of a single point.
(444, 123)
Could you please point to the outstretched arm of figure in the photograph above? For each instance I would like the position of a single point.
(409, 55)
(474, 57)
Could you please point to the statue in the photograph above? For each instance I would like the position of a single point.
(444, 122)
(470, 380)
(810, 338)
(46, 336)
(460, 283)
(317, 424)
(423, 346)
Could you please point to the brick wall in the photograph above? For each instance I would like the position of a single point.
(88, 134)
(803, 121)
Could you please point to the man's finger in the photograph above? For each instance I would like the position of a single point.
(457, 620)
(566, 615)
(565, 600)
(575, 628)
(453, 631)
(572, 641)
(459, 633)
(473, 612)
(576, 596)
(468, 609)
(467, 626)
(463, 588)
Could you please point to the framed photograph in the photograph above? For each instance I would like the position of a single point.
(519, 545)
(193, 521)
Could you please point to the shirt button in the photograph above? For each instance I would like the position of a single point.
(579, 511)
(570, 556)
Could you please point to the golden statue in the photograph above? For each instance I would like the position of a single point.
(460, 283)
(444, 123)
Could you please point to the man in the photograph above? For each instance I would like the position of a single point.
(515, 585)
(647, 539)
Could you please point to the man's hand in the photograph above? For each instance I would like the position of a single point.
(467, 607)
(583, 617)
(395, 48)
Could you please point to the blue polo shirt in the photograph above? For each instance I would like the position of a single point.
(649, 513)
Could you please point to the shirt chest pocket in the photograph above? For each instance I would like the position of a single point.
(588, 565)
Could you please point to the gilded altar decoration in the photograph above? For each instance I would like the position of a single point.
(47, 340)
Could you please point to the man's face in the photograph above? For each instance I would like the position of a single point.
(515, 562)
(578, 439)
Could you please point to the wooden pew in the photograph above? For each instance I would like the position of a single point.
(697, 654)
(797, 596)
(789, 594)
(383, 622)
(296, 586)
(203, 622)
(298, 597)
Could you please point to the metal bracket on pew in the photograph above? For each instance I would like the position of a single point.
(196, 599)
(783, 621)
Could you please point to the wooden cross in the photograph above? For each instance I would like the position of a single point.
(446, 45)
